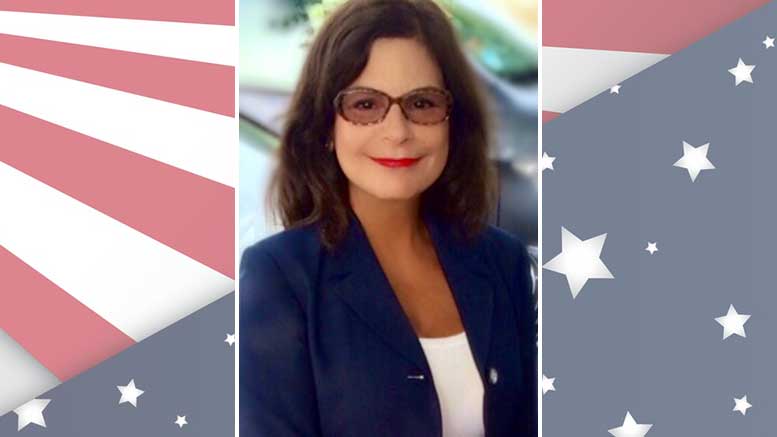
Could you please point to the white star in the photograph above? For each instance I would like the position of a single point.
(129, 393)
(547, 384)
(579, 260)
(733, 323)
(546, 162)
(742, 72)
(630, 428)
(181, 421)
(651, 248)
(615, 89)
(768, 42)
(694, 159)
(230, 339)
(32, 412)
(741, 405)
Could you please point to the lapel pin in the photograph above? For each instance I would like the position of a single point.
(493, 376)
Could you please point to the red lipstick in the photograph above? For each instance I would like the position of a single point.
(402, 162)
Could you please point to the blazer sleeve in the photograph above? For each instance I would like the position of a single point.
(527, 320)
(277, 391)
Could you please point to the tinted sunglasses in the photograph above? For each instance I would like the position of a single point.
(369, 106)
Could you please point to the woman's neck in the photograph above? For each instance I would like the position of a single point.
(395, 225)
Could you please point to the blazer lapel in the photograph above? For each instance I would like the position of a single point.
(358, 279)
(471, 282)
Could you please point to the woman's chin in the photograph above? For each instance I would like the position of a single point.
(399, 194)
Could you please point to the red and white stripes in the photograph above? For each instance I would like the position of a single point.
(591, 45)
(118, 152)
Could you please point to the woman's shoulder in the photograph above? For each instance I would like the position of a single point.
(278, 267)
(506, 244)
(296, 246)
(512, 257)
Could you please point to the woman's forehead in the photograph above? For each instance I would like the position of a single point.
(398, 65)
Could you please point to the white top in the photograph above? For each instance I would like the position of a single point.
(458, 385)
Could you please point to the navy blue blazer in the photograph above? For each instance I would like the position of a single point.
(326, 349)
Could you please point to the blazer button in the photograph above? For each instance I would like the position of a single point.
(493, 376)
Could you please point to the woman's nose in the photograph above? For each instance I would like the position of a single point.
(396, 127)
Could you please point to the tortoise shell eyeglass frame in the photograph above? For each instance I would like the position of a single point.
(402, 101)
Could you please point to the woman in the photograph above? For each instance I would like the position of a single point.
(388, 306)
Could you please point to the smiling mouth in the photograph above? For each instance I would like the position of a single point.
(402, 162)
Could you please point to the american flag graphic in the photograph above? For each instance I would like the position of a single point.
(117, 178)
(179, 380)
(590, 46)
(658, 247)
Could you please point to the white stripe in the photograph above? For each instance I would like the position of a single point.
(134, 282)
(197, 141)
(196, 42)
(572, 76)
(22, 377)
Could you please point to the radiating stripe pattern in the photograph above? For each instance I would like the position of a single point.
(118, 149)
(590, 46)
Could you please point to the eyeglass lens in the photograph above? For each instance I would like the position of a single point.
(423, 107)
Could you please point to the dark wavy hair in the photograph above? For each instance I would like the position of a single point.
(310, 187)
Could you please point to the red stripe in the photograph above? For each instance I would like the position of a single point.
(548, 116)
(187, 212)
(55, 328)
(657, 26)
(200, 85)
(205, 12)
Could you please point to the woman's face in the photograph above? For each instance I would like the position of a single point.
(395, 67)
